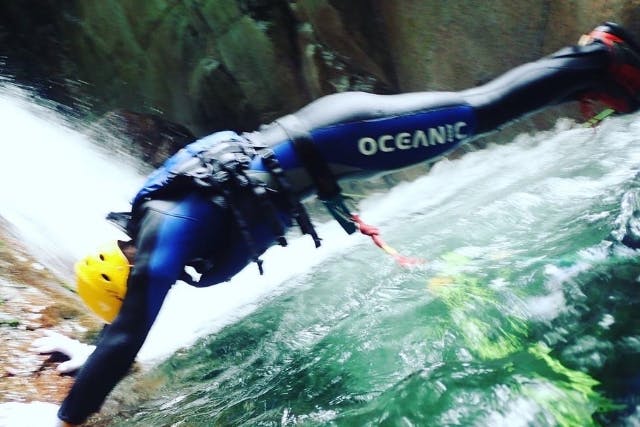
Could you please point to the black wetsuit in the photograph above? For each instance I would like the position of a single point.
(357, 134)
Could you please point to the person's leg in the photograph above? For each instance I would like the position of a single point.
(561, 77)
(606, 68)
(357, 132)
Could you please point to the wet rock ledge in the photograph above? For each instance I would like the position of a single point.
(33, 299)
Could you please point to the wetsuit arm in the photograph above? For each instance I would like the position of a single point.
(113, 357)
(157, 267)
(171, 233)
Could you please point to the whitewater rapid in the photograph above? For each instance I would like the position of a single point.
(58, 186)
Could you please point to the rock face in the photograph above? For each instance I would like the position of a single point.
(146, 137)
(213, 64)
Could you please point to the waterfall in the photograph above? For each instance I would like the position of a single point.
(57, 186)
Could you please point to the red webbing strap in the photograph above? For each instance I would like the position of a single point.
(374, 233)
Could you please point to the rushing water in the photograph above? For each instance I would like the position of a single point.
(56, 185)
(524, 313)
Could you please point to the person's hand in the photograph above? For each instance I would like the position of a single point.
(32, 414)
(76, 351)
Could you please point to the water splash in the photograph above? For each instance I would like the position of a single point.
(57, 186)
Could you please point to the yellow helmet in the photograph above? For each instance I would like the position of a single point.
(102, 280)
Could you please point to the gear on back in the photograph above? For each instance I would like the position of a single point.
(198, 165)
(217, 165)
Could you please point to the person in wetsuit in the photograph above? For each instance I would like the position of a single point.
(218, 228)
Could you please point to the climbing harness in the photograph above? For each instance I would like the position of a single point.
(295, 207)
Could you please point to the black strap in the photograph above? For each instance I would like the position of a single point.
(328, 190)
(266, 205)
(296, 208)
(122, 221)
(312, 160)
(241, 183)
(239, 217)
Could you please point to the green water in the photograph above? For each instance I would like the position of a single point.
(525, 313)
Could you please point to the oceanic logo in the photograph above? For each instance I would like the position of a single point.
(438, 135)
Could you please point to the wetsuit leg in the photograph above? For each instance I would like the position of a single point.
(358, 133)
(561, 77)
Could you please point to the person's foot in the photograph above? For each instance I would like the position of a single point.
(624, 70)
